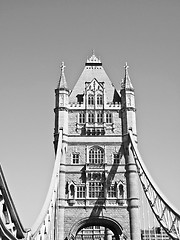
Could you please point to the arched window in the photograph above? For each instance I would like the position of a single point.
(99, 117)
(96, 155)
(91, 117)
(108, 117)
(90, 99)
(121, 191)
(99, 99)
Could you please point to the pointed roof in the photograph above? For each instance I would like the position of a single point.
(62, 80)
(93, 70)
(126, 82)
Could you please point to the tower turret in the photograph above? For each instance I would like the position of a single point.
(128, 104)
(128, 118)
(61, 106)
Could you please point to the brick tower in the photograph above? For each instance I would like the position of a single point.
(98, 187)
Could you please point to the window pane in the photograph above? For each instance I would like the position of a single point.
(75, 158)
(91, 100)
(80, 191)
(108, 117)
(116, 158)
(96, 156)
(81, 118)
(99, 99)
(96, 190)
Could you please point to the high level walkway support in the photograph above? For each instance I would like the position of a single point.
(166, 214)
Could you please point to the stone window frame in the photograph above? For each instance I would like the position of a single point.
(100, 117)
(109, 117)
(91, 117)
(96, 189)
(80, 191)
(90, 99)
(75, 158)
(96, 155)
(112, 191)
(99, 99)
(81, 118)
(116, 158)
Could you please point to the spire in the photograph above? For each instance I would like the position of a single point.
(126, 82)
(62, 80)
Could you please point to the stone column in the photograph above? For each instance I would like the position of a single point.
(61, 196)
(133, 195)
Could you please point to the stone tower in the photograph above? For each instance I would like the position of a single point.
(96, 170)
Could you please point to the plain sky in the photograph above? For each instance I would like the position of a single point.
(36, 35)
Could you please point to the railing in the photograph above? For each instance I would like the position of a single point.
(166, 214)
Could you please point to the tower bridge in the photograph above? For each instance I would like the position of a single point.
(94, 191)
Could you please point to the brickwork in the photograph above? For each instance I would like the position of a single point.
(95, 179)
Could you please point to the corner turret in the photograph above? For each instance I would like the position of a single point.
(61, 106)
(128, 112)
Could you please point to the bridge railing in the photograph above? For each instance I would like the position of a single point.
(165, 212)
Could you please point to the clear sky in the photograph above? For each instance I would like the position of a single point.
(36, 35)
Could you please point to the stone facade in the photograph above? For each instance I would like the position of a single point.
(93, 174)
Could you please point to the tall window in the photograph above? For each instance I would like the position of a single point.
(99, 117)
(112, 191)
(80, 191)
(116, 158)
(96, 156)
(96, 189)
(91, 117)
(75, 158)
(90, 99)
(108, 117)
(121, 191)
(81, 118)
(99, 99)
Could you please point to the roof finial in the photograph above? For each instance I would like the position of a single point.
(62, 66)
(62, 80)
(126, 68)
(126, 82)
(93, 52)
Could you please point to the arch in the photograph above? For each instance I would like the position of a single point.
(110, 223)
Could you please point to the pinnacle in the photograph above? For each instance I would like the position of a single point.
(62, 80)
(126, 82)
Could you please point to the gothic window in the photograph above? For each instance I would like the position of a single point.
(96, 190)
(108, 117)
(90, 99)
(99, 117)
(75, 158)
(91, 117)
(116, 158)
(96, 156)
(99, 99)
(72, 191)
(80, 191)
(121, 191)
(112, 191)
(81, 118)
